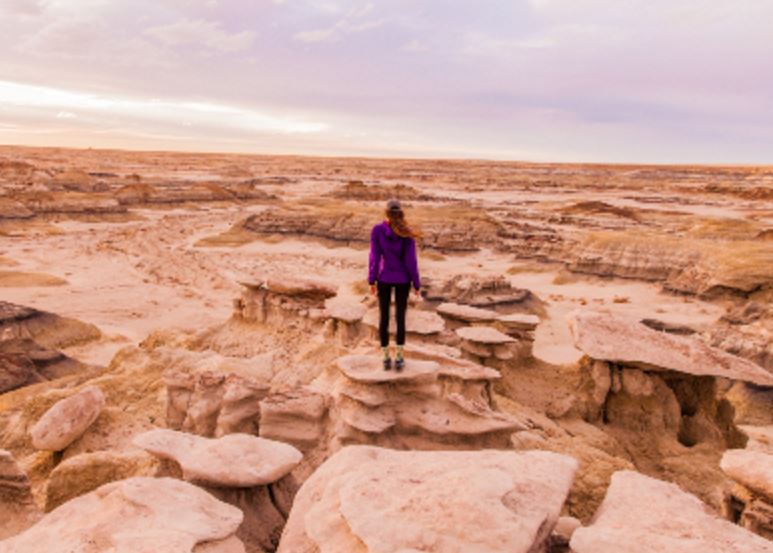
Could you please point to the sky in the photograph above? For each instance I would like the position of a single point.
(652, 81)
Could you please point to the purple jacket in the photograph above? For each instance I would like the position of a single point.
(392, 257)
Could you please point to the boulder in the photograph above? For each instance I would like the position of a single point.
(68, 419)
(368, 499)
(628, 342)
(134, 515)
(235, 460)
(483, 335)
(518, 321)
(646, 515)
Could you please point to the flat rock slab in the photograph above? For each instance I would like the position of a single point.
(612, 338)
(645, 515)
(466, 312)
(368, 369)
(369, 499)
(348, 313)
(67, 419)
(131, 516)
(235, 460)
(520, 321)
(483, 335)
(299, 287)
(752, 469)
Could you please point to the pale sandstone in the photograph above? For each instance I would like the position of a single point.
(613, 338)
(367, 499)
(483, 335)
(465, 313)
(86, 472)
(752, 469)
(135, 515)
(235, 460)
(646, 515)
(68, 419)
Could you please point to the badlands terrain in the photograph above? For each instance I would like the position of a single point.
(188, 357)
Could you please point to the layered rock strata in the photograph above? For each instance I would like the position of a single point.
(427, 405)
(646, 515)
(17, 506)
(272, 301)
(368, 499)
(750, 502)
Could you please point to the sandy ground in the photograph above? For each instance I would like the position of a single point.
(131, 278)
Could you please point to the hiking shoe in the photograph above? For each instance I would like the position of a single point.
(399, 364)
(387, 364)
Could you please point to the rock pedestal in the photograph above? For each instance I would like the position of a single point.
(273, 300)
(427, 405)
(368, 499)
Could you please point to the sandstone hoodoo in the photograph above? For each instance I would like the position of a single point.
(646, 515)
(750, 502)
(138, 514)
(68, 419)
(368, 499)
(485, 342)
(235, 460)
(272, 300)
(431, 403)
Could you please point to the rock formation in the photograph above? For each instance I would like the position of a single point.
(429, 404)
(272, 301)
(138, 514)
(235, 460)
(17, 506)
(371, 499)
(68, 419)
(81, 474)
(750, 502)
(646, 515)
(493, 292)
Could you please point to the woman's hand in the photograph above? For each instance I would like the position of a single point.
(417, 292)
(372, 289)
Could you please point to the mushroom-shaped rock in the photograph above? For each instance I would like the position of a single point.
(135, 515)
(483, 335)
(368, 369)
(67, 420)
(369, 499)
(628, 342)
(235, 460)
(646, 515)
(752, 469)
(466, 313)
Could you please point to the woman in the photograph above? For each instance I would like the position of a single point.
(393, 265)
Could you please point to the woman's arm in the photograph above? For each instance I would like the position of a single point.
(375, 257)
(412, 263)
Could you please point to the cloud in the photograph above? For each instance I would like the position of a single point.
(353, 22)
(22, 7)
(201, 33)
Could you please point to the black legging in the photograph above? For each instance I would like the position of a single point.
(401, 303)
